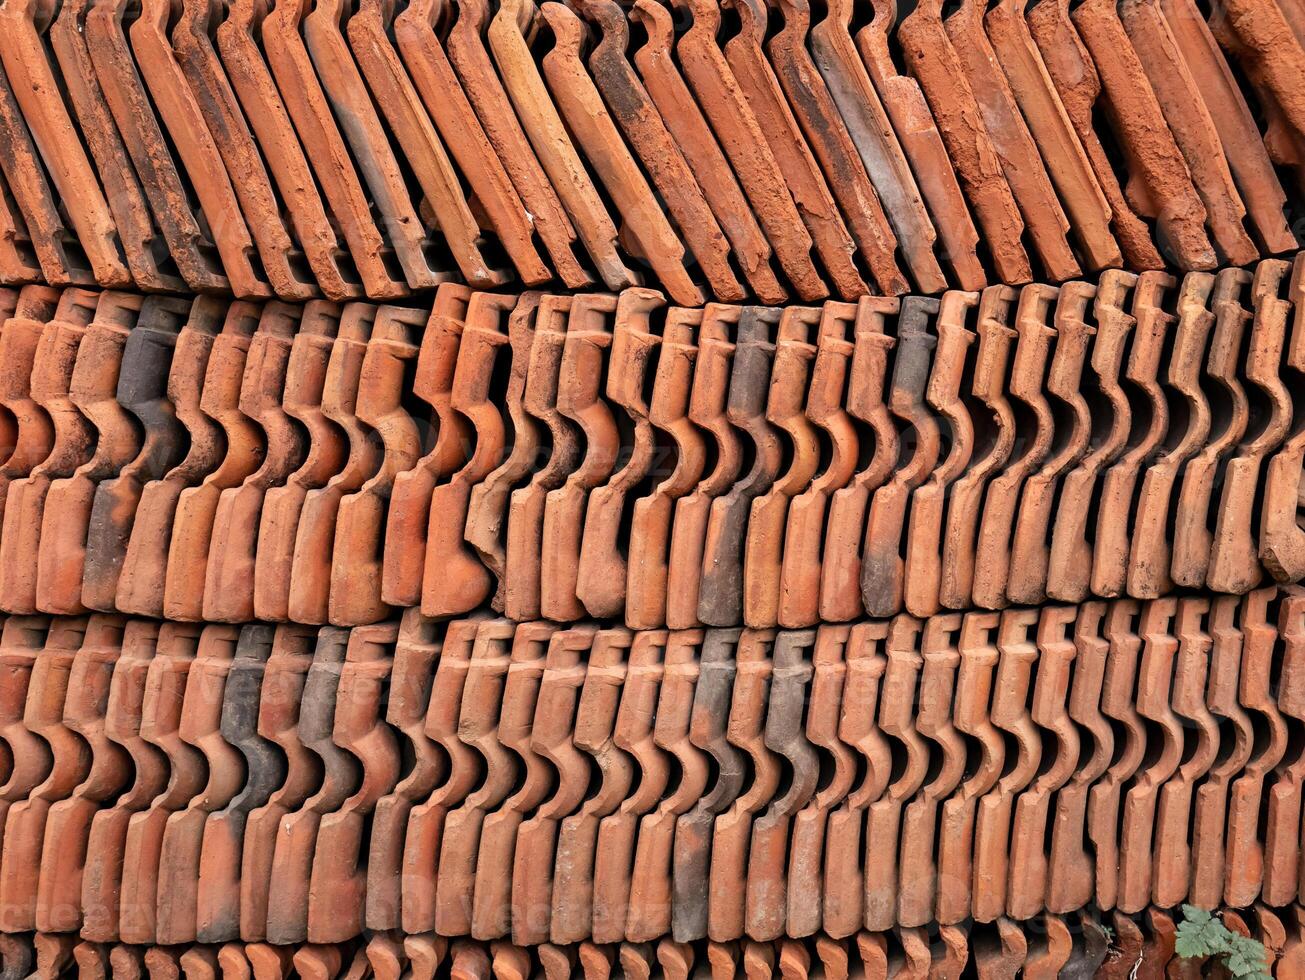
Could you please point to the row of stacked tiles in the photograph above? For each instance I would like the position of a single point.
(1077, 947)
(608, 457)
(746, 149)
(173, 782)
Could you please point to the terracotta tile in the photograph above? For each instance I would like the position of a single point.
(426, 74)
(203, 89)
(831, 143)
(919, 881)
(975, 677)
(408, 821)
(284, 685)
(577, 839)
(921, 141)
(300, 92)
(200, 254)
(43, 243)
(1066, 162)
(1090, 951)
(840, 574)
(1070, 562)
(408, 518)
(708, 732)
(395, 204)
(92, 389)
(138, 230)
(229, 578)
(423, 149)
(1150, 555)
(994, 422)
(218, 772)
(1071, 879)
(885, 158)
(170, 772)
(651, 886)
(1239, 135)
(720, 593)
(1281, 864)
(551, 739)
(768, 902)
(1268, 71)
(757, 79)
(493, 908)
(1193, 521)
(729, 111)
(419, 644)
(707, 411)
(357, 560)
(1048, 957)
(1172, 863)
(1138, 124)
(1011, 713)
(477, 728)
(48, 761)
(683, 121)
(1034, 431)
(1154, 679)
(804, 531)
(464, 47)
(488, 506)
(844, 882)
(1234, 750)
(1280, 533)
(738, 798)
(1192, 127)
(221, 859)
(250, 98)
(580, 398)
(1117, 703)
(936, 67)
(1077, 83)
(922, 576)
(314, 547)
(618, 832)
(1234, 555)
(654, 515)
(335, 779)
(1030, 824)
(58, 440)
(141, 583)
(147, 359)
(507, 32)
(241, 444)
(764, 544)
(338, 886)
(897, 705)
(98, 776)
(1244, 850)
(650, 142)
(98, 878)
(1034, 518)
(887, 518)
(635, 356)
(560, 441)
(32, 77)
(1153, 324)
(1003, 124)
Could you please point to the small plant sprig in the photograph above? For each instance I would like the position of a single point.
(1202, 934)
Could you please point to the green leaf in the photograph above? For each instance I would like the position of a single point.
(1200, 934)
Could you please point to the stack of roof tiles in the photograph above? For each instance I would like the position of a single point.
(752, 149)
(506, 492)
